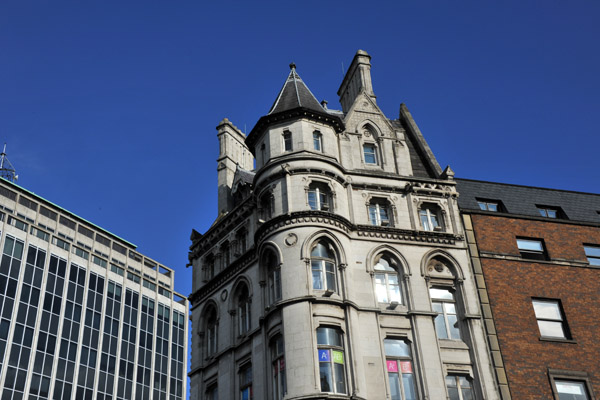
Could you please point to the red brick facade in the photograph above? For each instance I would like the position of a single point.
(512, 282)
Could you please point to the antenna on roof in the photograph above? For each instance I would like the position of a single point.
(7, 171)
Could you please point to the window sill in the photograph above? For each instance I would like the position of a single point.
(557, 340)
(453, 344)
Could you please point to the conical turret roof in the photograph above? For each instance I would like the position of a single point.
(295, 94)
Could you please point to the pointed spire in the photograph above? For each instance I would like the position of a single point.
(295, 94)
(7, 171)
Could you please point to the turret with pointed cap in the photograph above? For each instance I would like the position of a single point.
(295, 100)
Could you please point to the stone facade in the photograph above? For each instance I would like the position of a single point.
(338, 268)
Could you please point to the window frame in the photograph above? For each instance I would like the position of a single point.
(243, 306)
(373, 153)
(570, 376)
(273, 269)
(429, 211)
(456, 377)
(562, 320)
(374, 209)
(329, 359)
(288, 144)
(484, 205)
(278, 382)
(550, 212)
(245, 376)
(318, 141)
(395, 270)
(444, 313)
(212, 332)
(322, 267)
(593, 259)
(322, 196)
(529, 253)
(397, 364)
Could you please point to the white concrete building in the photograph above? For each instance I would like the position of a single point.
(83, 315)
(337, 267)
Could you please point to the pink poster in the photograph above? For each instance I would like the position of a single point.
(406, 367)
(281, 364)
(392, 366)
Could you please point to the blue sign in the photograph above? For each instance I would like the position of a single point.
(324, 356)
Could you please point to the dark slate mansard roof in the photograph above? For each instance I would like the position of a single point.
(523, 200)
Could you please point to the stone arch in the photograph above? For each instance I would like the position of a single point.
(381, 249)
(210, 305)
(307, 245)
(447, 260)
(241, 281)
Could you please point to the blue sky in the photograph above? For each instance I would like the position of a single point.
(109, 108)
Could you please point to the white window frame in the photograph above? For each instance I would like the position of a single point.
(544, 319)
(279, 383)
(382, 283)
(320, 265)
(335, 372)
(460, 388)
(374, 153)
(532, 248)
(402, 365)
(488, 205)
(430, 213)
(323, 198)
(445, 304)
(288, 144)
(375, 208)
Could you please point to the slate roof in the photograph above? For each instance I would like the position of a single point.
(244, 176)
(295, 94)
(523, 200)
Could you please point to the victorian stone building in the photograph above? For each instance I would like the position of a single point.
(536, 258)
(338, 264)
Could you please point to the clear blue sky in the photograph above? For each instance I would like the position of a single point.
(109, 108)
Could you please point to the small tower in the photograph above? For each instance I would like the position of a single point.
(7, 171)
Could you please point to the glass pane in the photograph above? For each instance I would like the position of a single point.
(551, 329)
(453, 325)
(440, 327)
(569, 390)
(434, 220)
(383, 214)
(436, 293)
(450, 381)
(325, 376)
(425, 220)
(408, 380)
(331, 281)
(373, 214)
(317, 280)
(394, 386)
(551, 213)
(592, 251)
(531, 245)
(321, 250)
(383, 265)
(381, 291)
(340, 378)
(450, 309)
(312, 200)
(492, 206)
(547, 310)
(395, 293)
(453, 393)
(334, 337)
(392, 279)
(396, 348)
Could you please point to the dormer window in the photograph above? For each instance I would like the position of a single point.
(317, 141)
(489, 205)
(550, 212)
(319, 197)
(370, 154)
(430, 215)
(287, 141)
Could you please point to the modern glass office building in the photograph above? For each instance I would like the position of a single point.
(83, 315)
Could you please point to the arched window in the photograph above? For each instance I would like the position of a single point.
(431, 217)
(400, 370)
(209, 267)
(243, 310)
(322, 261)
(287, 141)
(387, 282)
(278, 368)
(211, 332)
(330, 343)
(274, 276)
(319, 197)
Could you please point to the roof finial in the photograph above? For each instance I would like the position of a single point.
(292, 65)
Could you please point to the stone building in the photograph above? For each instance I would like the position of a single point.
(536, 257)
(337, 266)
(83, 315)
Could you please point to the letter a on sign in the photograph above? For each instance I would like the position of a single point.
(324, 355)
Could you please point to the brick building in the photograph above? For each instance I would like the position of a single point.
(536, 258)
